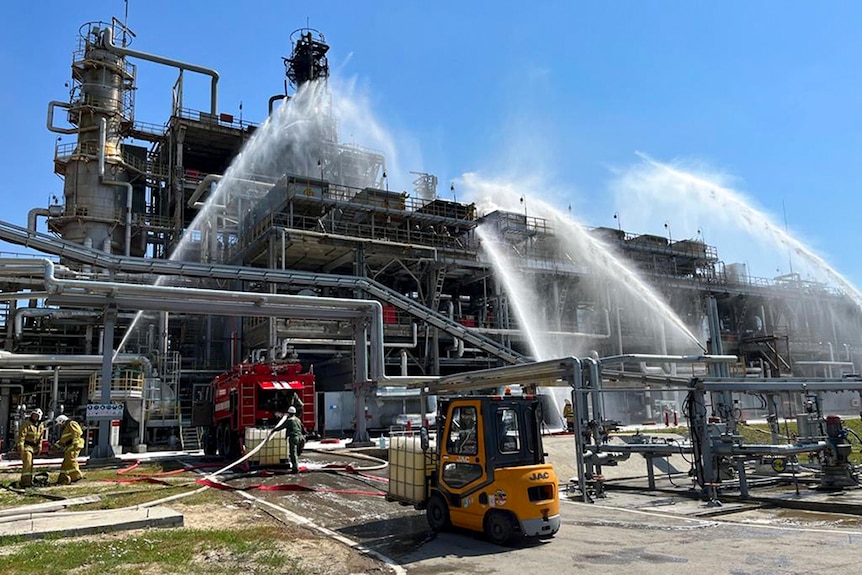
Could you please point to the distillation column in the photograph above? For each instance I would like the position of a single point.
(97, 192)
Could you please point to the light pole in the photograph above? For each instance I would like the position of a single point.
(667, 227)
(386, 180)
(524, 203)
(619, 221)
(452, 189)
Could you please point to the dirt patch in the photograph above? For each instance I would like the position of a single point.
(308, 552)
(286, 548)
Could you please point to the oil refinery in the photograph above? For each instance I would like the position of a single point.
(202, 244)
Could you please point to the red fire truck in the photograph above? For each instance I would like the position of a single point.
(250, 395)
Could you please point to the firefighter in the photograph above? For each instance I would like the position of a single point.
(569, 415)
(30, 445)
(295, 437)
(72, 442)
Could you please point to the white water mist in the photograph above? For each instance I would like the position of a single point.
(703, 201)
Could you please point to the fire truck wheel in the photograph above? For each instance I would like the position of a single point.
(500, 527)
(437, 513)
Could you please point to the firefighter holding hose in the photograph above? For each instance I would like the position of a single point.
(295, 437)
(30, 445)
(71, 442)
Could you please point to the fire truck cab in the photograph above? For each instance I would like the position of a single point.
(251, 395)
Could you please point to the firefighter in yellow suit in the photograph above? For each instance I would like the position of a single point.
(72, 442)
(30, 444)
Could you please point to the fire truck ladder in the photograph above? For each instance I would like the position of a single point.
(76, 252)
(247, 407)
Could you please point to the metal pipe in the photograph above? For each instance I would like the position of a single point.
(502, 331)
(32, 214)
(274, 99)
(23, 372)
(51, 127)
(122, 51)
(755, 449)
(23, 359)
(148, 265)
(705, 358)
(55, 391)
(168, 298)
(201, 187)
(21, 313)
(14, 296)
(347, 342)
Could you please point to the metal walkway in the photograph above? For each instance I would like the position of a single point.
(65, 249)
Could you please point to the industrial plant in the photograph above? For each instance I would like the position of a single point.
(189, 247)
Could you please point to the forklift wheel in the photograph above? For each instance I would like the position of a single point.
(437, 514)
(500, 527)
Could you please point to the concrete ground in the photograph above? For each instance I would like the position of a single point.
(626, 531)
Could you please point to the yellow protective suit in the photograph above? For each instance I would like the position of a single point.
(72, 442)
(29, 444)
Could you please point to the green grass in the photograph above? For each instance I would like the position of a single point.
(101, 481)
(217, 551)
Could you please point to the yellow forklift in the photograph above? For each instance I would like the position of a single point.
(484, 471)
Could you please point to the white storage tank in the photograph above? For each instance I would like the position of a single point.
(275, 450)
(408, 467)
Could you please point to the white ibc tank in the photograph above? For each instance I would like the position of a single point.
(275, 450)
(408, 467)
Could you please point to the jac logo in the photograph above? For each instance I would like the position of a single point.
(539, 475)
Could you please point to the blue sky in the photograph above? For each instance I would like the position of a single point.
(555, 96)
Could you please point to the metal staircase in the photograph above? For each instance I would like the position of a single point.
(440, 275)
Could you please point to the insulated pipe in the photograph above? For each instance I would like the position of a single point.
(21, 313)
(705, 358)
(22, 359)
(167, 298)
(503, 331)
(23, 295)
(33, 214)
(21, 373)
(86, 255)
(547, 373)
(346, 342)
(208, 180)
(51, 127)
(55, 391)
(109, 45)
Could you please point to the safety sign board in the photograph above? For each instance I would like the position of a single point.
(104, 411)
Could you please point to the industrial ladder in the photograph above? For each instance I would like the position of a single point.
(247, 407)
(438, 289)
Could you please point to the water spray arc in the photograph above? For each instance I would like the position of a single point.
(753, 220)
